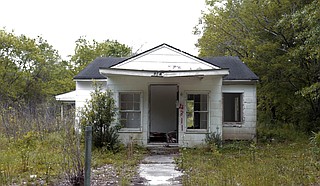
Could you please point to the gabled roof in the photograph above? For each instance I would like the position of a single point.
(164, 58)
(237, 69)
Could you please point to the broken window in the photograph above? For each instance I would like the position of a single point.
(130, 110)
(232, 107)
(197, 111)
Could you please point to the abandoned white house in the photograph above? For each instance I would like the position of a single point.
(167, 95)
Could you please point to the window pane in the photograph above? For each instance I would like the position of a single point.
(130, 119)
(136, 97)
(126, 97)
(190, 105)
(130, 113)
(200, 101)
(136, 106)
(232, 107)
(190, 122)
(203, 120)
(197, 111)
(126, 106)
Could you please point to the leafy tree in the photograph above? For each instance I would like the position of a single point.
(99, 112)
(30, 69)
(86, 51)
(279, 40)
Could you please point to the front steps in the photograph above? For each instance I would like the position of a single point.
(163, 148)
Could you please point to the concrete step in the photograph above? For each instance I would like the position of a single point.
(163, 148)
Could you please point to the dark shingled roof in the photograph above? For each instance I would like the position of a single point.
(237, 69)
(92, 70)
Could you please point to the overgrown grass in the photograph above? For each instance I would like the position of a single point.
(45, 159)
(31, 159)
(240, 163)
(125, 161)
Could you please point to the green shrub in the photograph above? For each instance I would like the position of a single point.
(213, 140)
(280, 133)
(99, 112)
(315, 145)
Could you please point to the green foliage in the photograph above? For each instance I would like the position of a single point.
(30, 69)
(53, 158)
(279, 133)
(251, 164)
(213, 140)
(99, 112)
(315, 147)
(125, 166)
(31, 155)
(86, 52)
(279, 41)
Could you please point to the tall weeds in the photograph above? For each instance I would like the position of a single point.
(38, 146)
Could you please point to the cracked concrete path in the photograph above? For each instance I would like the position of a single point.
(160, 170)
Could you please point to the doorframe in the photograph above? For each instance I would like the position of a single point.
(177, 107)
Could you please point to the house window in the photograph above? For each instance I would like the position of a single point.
(232, 107)
(130, 110)
(197, 111)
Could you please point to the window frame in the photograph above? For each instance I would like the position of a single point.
(131, 129)
(193, 130)
(241, 118)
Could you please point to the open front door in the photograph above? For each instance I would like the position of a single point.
(163, 114)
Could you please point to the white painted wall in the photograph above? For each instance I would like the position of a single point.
(211, 85)
(247, 129)
(83, 90)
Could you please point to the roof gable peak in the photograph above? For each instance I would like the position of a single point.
(164, 57)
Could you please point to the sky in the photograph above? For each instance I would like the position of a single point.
(140, 24)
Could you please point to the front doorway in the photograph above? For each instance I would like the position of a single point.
(163, 125)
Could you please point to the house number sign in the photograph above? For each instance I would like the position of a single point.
(157, 74)
(181, 112)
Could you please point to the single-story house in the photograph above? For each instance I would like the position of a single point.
(165, 95)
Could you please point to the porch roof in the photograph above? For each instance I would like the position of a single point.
(163, 74)
(67, 97)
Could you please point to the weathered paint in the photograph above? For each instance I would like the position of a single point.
(247, 128)
(210, 85)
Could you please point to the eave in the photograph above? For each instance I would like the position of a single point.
(164, 74)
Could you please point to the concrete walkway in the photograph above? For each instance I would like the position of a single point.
(160, 170)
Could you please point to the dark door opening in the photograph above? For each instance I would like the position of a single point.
(163, 113)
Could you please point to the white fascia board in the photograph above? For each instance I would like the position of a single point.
(110, 72)
(213, 72)
(220, 72)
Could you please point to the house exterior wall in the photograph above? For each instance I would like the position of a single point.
(186, 137)
(83, 90)
(245, 130)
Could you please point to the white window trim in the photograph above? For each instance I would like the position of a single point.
(132, 130)
(238, 124)
(199, 131)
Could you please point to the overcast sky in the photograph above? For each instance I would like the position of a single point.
(136, 23)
